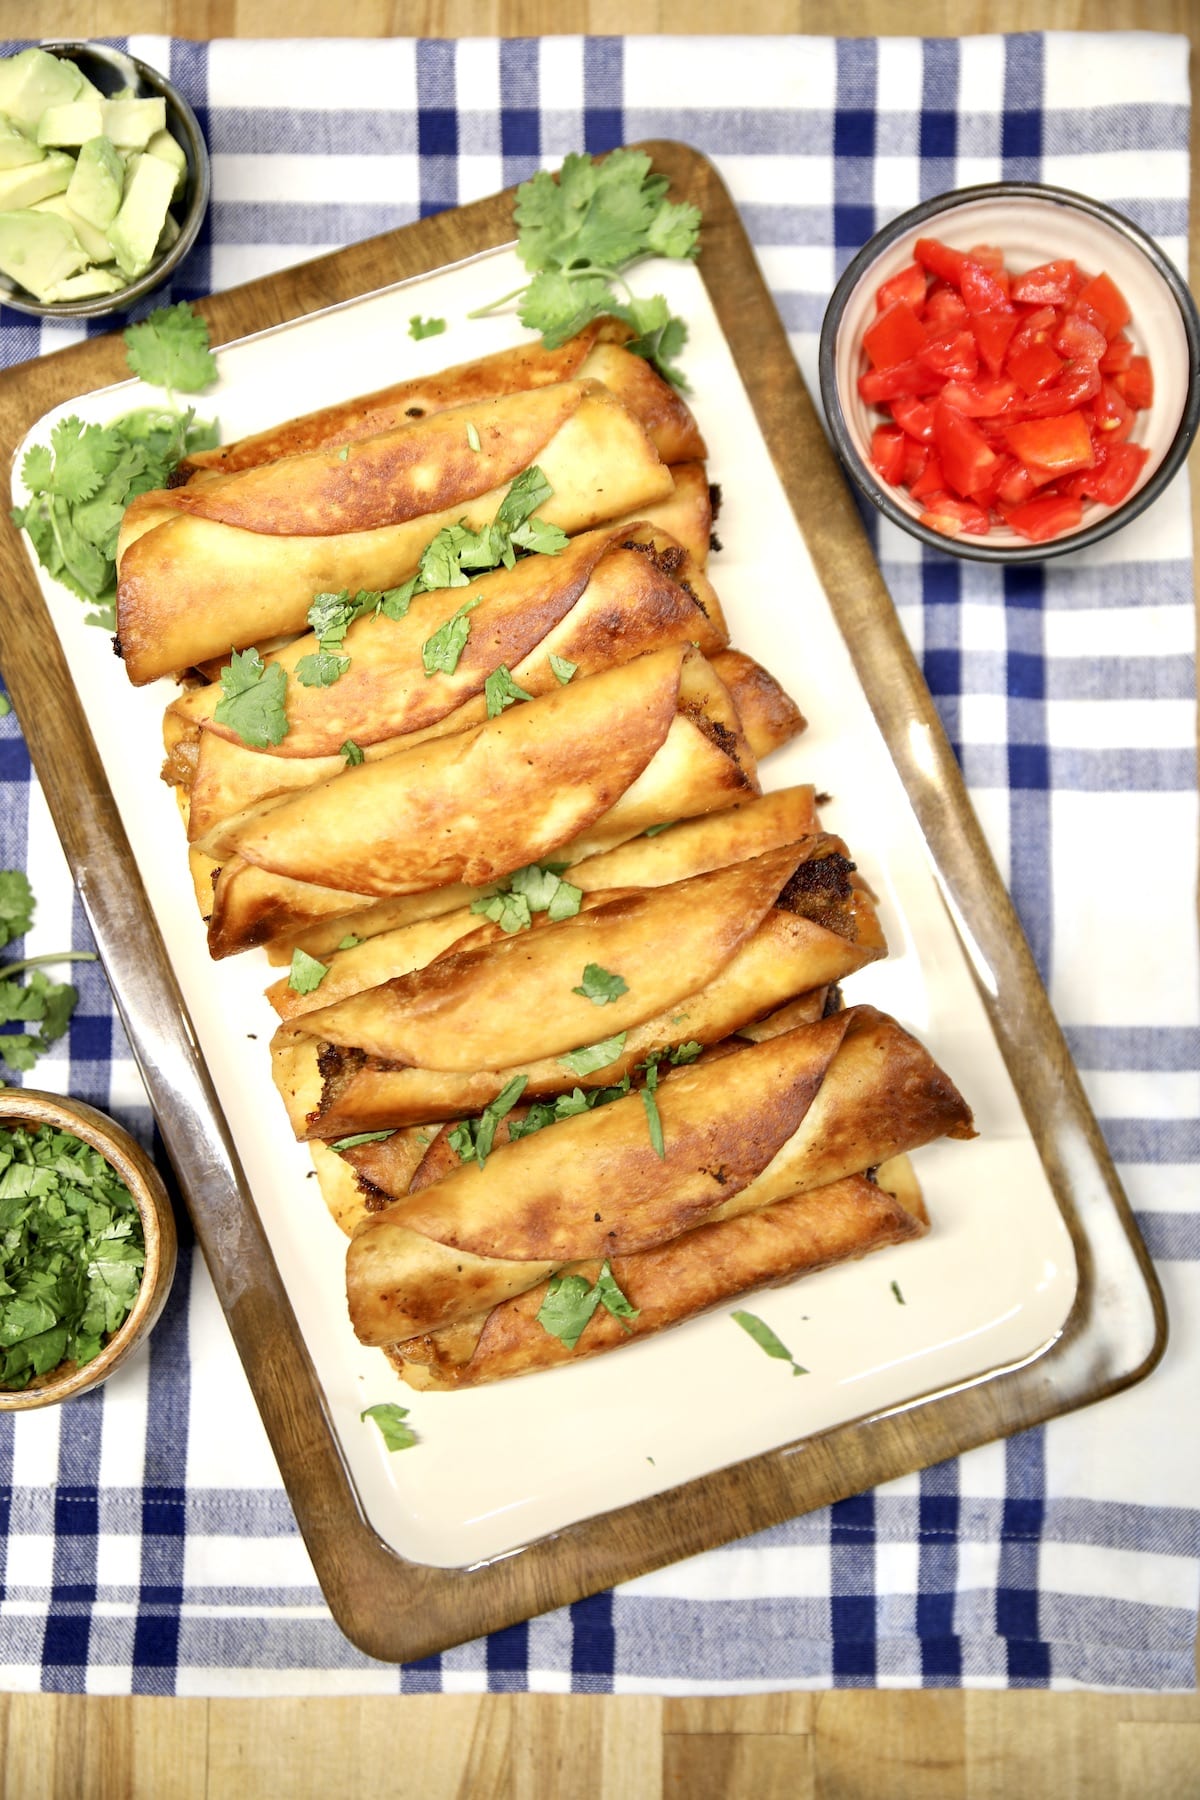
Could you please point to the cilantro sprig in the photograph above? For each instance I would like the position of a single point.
(71, 1252)
(577, 235)
(390, 1419)
(81, 482)
(766, 1339)
(40, 1003)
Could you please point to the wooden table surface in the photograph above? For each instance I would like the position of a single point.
(845, 1745)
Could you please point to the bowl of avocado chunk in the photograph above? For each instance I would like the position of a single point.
(104, 179)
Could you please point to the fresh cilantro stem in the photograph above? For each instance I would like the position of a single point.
(37, 962)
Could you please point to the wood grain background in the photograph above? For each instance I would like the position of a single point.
(847, 1745)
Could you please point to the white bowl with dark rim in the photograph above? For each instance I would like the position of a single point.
(1030, 224)
(32, 1109)
(110, 70)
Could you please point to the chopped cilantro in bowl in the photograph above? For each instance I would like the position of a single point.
(87, 1247)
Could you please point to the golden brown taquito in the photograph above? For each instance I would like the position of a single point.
(596, 763)
(763, 1124)
(596, 353)
(677, 1281)
(448, 1038)
(234, 560)
(692, 848)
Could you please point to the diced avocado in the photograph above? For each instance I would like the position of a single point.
(94, 241)
(134, 233)
(72, 124)
(98, 182)
(167, 235)
(164, 145)
(36, 181)
(16, 150)
(39, 250)
(132, 123)
(33, 80)
(86, 285)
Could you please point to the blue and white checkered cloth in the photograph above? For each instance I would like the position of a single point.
(147, 1545)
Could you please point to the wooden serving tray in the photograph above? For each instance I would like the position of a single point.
(395, 1609)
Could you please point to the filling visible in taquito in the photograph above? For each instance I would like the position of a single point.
(450, 1037)
(760, 1125)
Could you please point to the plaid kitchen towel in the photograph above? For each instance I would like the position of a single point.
(147, 1545)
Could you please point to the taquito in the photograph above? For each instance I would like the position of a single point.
(448, 1038)
(692, 848)
(237, 559)
(597, 762)
(596, 353)
(677, 1281)
(763, 1124)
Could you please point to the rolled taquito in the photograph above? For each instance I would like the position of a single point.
(591, 765)
(607, 598)
(691, 848)
(763, 1124)
(237, 559)
(596, 353)
(449, 1038)
(693, 1273)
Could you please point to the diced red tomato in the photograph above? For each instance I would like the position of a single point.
(993, 333)
(986, 398)
(953, 354)
(944, 310)
(954, 517)
(908, 284)
(1034, 365)
(1059, 446)
(1011, 397)
(1075, 337)
(894, 336)
(1103, 293)
(1118, 356)
(914, 417)
(887, 452)
(1137, 383)
(940, 259)
(1045, 517)
(1113, 414)
(1050, 284)
(967, 458)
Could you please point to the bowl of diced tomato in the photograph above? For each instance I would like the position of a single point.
(1011, 372)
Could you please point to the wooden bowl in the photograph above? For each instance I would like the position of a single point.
(25, 1106)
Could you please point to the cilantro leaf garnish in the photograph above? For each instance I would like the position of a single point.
(899, 1297)
(563, 670)
(472, 1139)
(16, 905)
(390, 1419)
(572, 1299)
(320, 669)
(766, 1339)
(538, 887)
(349, 941)
(578, 233)
(170, 350)
(71, 1252)
(419, 328)
(306, 973)
(253, 706)
(593, 1056)
(440, 653)
(352, 753)
(565, 1106)
(600, 986)
(362, 1137)
(500, 690)
(653, 1120)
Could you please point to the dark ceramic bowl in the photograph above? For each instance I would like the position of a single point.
(1031, 224)
(110, 70)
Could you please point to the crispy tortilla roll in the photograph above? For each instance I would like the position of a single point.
(686, 513)
(447, 1039)
(689, 849)
(665, 1286)
(596, 763)
(597, 353)
(236, 559)
(763, 1124)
